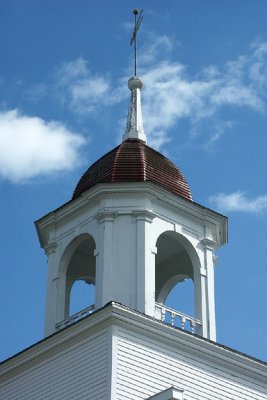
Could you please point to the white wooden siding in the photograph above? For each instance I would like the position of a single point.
(79, 371)
(146, 367)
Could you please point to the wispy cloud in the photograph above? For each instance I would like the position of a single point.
(30, 147)
(238, 201)
(172, 94)
(36, 92)
(83, 91)
(156, 46)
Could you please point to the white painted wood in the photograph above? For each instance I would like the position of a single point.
(117, 353)
(77, 371)
(169, 394)
(146, 366)
(125, 222)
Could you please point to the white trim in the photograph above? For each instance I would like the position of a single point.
(100, 191)
(169, 394)
(116, 314)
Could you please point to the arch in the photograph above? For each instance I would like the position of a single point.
(182, 296)
(70, 249)
(82, 294)
(176, 261)
(77, 264)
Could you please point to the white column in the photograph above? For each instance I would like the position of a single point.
(209, 311)
(201, 301)
(104, 260)
(145, 264)
(51, 291)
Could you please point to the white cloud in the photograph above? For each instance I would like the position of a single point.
(174, 94)
(235, 94)
(238, 201)
(83, 91)
(219, 129)
(154, 46)
(36, 92)
(171, 93)
(30, 146)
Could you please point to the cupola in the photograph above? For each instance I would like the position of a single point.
(132, 230)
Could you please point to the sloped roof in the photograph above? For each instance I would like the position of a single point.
(134, 161)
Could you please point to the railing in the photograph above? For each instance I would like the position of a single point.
(165, 314)
(76, 317)
(170, 315)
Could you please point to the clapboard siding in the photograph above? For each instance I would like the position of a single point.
(79, 371)
(145, 367)
(185, 372)
(128, 357)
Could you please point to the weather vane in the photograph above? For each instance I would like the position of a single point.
(137, 23)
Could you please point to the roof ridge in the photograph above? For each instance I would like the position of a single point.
(141, 145)
(134, 161)
(114, 165)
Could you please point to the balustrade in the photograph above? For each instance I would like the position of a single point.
(168, 314)
(76, 317)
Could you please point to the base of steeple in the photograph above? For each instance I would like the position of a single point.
(117, 353)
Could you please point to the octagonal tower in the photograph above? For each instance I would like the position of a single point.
(133, 231)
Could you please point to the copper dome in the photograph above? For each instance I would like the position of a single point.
(134, 161)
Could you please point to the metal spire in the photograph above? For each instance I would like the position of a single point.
(134, 126)
(137, 23)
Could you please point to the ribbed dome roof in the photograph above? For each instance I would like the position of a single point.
(134, 161)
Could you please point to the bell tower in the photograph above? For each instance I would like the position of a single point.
(133, 231)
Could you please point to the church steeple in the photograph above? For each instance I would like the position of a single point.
(133, 231)
(134, 126)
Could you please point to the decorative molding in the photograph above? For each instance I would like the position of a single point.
(209, 243)
(191, 231)
(203, 272)
(144, 215)
(105, 190)
(106, 216)
(50, 248)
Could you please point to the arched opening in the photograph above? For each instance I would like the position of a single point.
(80, 276)
(174, 278)
(82, 294)
(182, 295)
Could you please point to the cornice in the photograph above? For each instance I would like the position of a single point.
(204, 348)
(117, 314)
(135, 189)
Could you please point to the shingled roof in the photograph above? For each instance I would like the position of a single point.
(134, 161)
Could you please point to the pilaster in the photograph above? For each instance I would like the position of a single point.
(104, 260)
(51, 291)
(208, 286)
(145, 268)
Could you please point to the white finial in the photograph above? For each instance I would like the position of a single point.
(134, 127)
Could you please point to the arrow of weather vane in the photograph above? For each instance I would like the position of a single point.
(137, 23)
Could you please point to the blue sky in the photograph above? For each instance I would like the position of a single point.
(63, 103)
